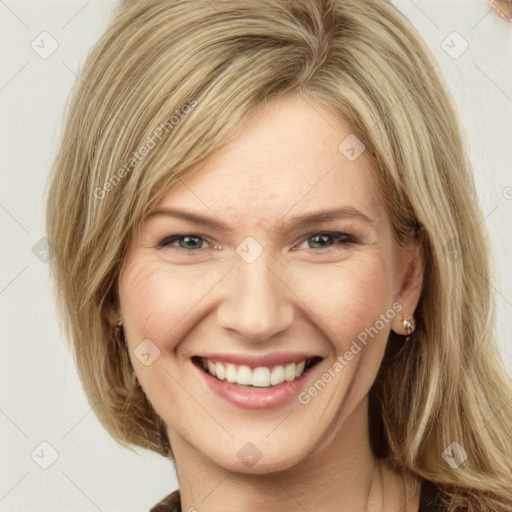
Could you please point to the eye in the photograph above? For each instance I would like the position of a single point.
(188, 242)
(321, 239)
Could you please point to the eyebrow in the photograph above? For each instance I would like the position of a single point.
(295, 223)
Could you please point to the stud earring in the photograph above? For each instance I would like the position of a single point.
(409, 325)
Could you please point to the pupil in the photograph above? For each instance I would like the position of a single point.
(186, 239)
(319, 236)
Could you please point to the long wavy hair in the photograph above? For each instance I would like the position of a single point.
(186, 75)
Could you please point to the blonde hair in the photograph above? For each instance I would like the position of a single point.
(194, 73)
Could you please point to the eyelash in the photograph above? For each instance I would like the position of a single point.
(339, 239)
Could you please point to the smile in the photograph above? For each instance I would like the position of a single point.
(259, 377)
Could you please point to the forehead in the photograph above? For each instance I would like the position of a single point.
(290, 157)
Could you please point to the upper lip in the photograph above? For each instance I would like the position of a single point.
(254, 361)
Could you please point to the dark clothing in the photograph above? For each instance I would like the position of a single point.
(428, 500)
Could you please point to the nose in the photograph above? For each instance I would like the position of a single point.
(256, 302)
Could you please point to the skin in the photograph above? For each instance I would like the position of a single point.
(315, 299)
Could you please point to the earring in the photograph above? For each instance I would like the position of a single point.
(409, 325)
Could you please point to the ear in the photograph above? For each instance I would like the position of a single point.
(409, 282)
(111, 311)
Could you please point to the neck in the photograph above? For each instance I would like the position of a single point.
(341, 474)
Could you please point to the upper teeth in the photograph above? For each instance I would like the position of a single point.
(261, 377)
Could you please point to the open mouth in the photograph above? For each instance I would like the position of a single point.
(260, 377)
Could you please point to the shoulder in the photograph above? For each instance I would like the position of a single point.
(170, 503)
(430, 498)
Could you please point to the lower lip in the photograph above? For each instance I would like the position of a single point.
(259, 398)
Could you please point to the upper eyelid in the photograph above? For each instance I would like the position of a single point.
(352, 238)
(335, 234)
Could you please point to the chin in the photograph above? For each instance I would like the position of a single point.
(258, 456)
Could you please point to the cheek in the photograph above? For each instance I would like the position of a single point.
(345, 297)
(348, 298)
(155, 298)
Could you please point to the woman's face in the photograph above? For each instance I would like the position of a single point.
(277, 290)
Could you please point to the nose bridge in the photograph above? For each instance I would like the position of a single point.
(255, 300)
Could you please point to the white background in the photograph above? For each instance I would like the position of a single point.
(41, 398)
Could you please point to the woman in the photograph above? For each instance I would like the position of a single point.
(271, 263)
